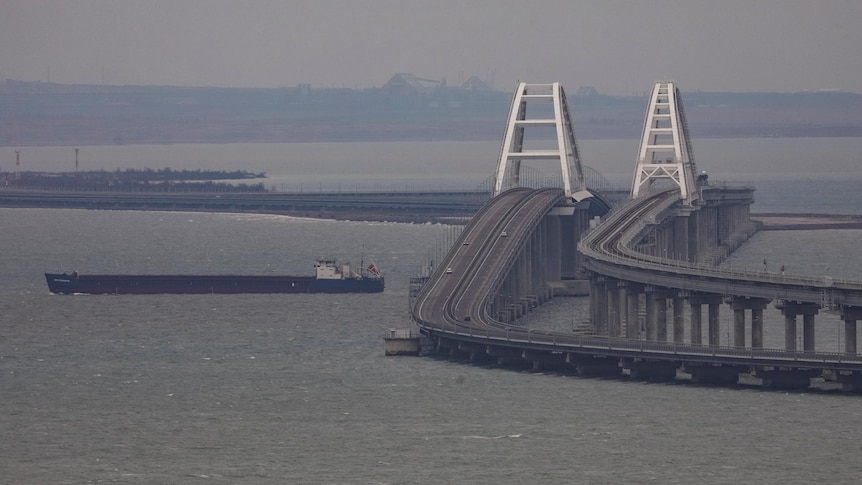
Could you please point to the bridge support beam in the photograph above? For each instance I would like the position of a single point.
(850, 315)
(696, 301)
(678, 319)
(632, 303)
(756, 305)
(656, 313)
(790, 310)
(808, 344)
(613, 299)
(599, 305)
(681, 226)
(714, 325)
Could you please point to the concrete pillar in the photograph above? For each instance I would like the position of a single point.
(790, 331)
(696, 323)
(756, 305)
(682, 235)
(693, 237)
(622, 308)
(678, 320)
(554, 247)
(696, 301)
(850, 336)
(808, 333)
(656, 313)
(739, 327)
(850, 315)
(613, 299)
(756, 328)
(714, 328)
(600, 306)
(790, 310)
(661, 320)
(651, 315)
(633, 330)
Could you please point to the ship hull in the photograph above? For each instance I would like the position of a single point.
(206, 284)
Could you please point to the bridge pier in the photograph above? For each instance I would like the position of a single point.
(680, 249)
(678, 319)
(713, 374)
(779, 378)
(756, 305)
(504, 356)
(544, 360)
(850, 381)
(790, 310)
(643, 369)
(594, 366)
(713, 302)
(614, 316)
(598, 305)
(474, 352)
(849, 315)
(632, 304)
(714, 326)
(808, 344)
(656, 313)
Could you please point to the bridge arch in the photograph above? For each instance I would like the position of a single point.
(665, 151)
(518, 147)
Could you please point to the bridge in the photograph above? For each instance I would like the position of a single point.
(656, 253)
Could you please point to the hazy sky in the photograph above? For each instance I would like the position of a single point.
(615, 46)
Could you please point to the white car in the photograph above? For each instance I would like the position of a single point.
(503, 234)
(448, 270)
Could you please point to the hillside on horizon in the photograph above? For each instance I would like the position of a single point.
(406, 108)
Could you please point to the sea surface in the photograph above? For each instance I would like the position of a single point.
(297, 389)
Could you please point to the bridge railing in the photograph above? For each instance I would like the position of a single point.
(628, 256)
(558, 342)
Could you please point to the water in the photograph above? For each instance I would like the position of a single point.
(296, 388)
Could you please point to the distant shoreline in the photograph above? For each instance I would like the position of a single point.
(773, 221)
(66, 143)
(45, 114)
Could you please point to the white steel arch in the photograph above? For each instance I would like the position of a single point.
(566, 151)
(665, 151)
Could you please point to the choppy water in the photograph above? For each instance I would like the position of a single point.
(296, 388)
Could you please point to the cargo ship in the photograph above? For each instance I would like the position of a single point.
(329, 277)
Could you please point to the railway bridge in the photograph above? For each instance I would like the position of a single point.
(656, 254)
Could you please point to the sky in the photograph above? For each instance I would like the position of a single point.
(618, 47)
